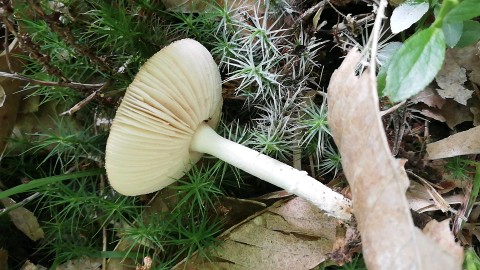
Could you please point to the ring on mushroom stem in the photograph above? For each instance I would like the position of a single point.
(166, 122)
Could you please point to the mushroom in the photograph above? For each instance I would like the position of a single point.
(166, 122)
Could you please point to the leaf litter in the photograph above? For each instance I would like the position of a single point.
(287, 235)
(377, 180)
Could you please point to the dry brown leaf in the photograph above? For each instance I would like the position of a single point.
(430, 97)
(462, 143)
(454, 113)
(450, 79)
(441, 234)
(422, 199)
(378, 182)
(24, 220)
(443, 110)
(294, 235)
(469, 58)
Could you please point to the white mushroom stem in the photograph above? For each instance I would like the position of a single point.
(206, 140)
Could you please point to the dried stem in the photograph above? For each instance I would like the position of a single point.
(74, 85)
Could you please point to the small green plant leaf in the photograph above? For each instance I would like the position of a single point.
(385, 53)
(47, 181)
(465, 10)
(452, 32)
(407, 14)
(470, 34)
(415, 64)
(382, 80)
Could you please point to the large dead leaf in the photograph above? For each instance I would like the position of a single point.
(462, 143)
(294, 235)
(24, 220)
(377, 180)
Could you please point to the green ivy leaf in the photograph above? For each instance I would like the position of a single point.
(465, 10)
(415, 64)
(470, 34)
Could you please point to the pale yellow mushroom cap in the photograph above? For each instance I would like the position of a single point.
(175, 90)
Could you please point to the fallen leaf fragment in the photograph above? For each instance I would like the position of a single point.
(443, 110)
(462, 143)
(24, 220)
(450, 79)
(469, 58)
(440, 232)
(378, 181)
(31, 266)
(293, 235)
(423, 199)
(429, 97)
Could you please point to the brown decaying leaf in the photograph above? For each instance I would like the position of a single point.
(450, 79)
(291, 235)
(441, 234)
(444, 110)
(377, 180)
(469, 58)
(24, 220)
(462, 143)
(423, 198)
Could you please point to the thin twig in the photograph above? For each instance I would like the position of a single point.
(84, 102)
(392, 109)
(309, 12)
(74, 85)
(19, 204)
(377, 26)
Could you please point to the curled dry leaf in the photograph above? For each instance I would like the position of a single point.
(291, 235)
(378, 181)
(462, 143)
(422, 198)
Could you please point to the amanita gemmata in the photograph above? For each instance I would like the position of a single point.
(166, 122)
